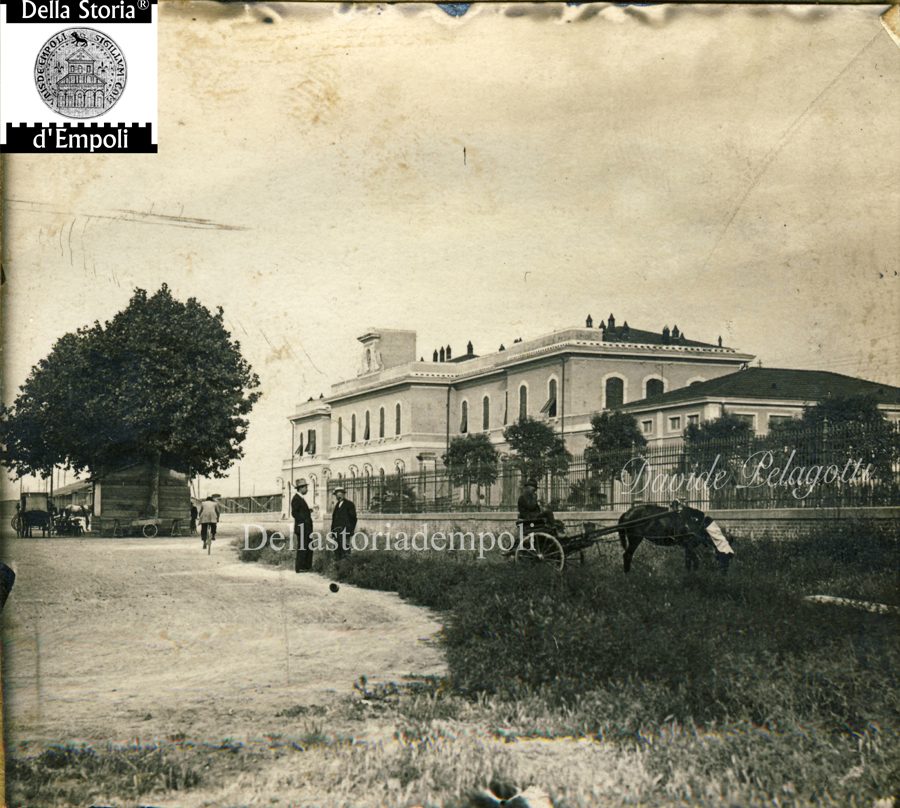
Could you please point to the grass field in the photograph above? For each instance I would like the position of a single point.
(659, 688)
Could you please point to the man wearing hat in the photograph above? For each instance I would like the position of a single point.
(530, 509)
(343, 522)
(303, 527)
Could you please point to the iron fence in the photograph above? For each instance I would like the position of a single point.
(853, 466)
(268, 503)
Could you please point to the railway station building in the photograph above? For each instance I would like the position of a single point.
(399, 413)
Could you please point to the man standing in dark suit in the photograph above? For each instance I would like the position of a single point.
(343, 523)
(303, 527)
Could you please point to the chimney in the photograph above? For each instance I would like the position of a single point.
(441, 355)
(502, 347)
(720, 340)
(665, 334)
(675, 333)
(589, 322)
(434, 356)
(602, 326)
(448, 353)
(625, 329)
(470, 349)
(611, 322)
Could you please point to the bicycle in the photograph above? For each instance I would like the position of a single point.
(208, 537)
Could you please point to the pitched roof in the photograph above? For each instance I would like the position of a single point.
(778, 383)
(640, 337)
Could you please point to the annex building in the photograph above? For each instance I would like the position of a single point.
(760, 396)
(399, 413)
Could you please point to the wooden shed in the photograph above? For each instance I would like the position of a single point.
(123, 496)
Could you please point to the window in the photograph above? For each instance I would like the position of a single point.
(464, 418)
(674, 423)
(655, 387)
(353, 428)
(550, 407)
(486, 413)
(747, 418)
(523, 402)
(367, 432)
(340, 439)
(311, 441)
(505, 407)
(299, 450)
(693, 420)
(646, 427)
(614, 393)
(397, 419)
(381, 422)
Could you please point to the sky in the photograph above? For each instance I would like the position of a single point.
(732, 170)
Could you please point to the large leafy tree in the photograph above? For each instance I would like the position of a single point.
(613, 435)
(613, 440)
(838, 429)
(471, 460)
(722, 444)
(162, 381)
(537, 449)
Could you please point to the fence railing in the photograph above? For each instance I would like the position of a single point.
(268, 503)
(829, 468)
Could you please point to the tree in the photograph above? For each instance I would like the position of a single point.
(537, 449)
(727, 427)
(612, 442)
(842, 428)
(613, 434)
(723, 444)
(471, 459)
(161, 382)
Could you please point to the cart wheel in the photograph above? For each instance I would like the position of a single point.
(16, 523)
(541, 548)
(149, 531)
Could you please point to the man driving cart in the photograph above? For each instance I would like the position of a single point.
(532, 513)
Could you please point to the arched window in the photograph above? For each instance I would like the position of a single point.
(353, 428)
(550, 407)
(614, 394)
(486, 413)
(397, 419)
(381, 422)
(366, 432)
(523, 402)
(654, 387)
(464, 418)
(340, 440)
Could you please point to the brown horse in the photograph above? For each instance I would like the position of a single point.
(684, 528)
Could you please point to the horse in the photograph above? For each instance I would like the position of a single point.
(683, 527)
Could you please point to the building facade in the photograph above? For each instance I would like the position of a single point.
(761, 396)
(399, 413)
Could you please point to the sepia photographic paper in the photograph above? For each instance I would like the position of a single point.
(459, 405)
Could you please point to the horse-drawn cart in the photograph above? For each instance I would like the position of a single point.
(545, 541)
(33, 511)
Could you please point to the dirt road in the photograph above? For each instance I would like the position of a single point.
(124, 639)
